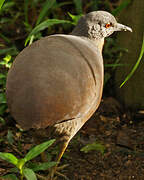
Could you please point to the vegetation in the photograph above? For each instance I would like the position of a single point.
(21, 23)
(136, 65)
(27, 171)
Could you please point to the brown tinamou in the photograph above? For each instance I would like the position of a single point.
(58, 80)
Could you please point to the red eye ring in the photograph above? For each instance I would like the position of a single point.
(108, 25)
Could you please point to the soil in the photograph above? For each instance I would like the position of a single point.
(119, 132)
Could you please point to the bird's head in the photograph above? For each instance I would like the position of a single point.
(98, 25)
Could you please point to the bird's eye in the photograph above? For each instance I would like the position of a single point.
(108, 25)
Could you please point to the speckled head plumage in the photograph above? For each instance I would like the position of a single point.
(98, 25)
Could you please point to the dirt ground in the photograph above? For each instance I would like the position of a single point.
(120, 132)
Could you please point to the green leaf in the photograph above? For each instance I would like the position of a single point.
(2, 76)
(7, 58)
(2, 108)
(9, 157)
(135, 66)
(7, 6)
(31, 39)
(26, 3)
(3, 81)
(114, 65)
(107, 76)
(1, 3)
(47, 5)
(78, 5)
(75, 18)
(38, 149)
(10, 137)
(3, 36)
(21, 163)
(10, 177)
(94, 146)
(42, 166)
(94, 5)
(29, 174)
(11, 51)
(2, 98)
(14, 170)
(122, 6)
(2, 120)
(43, 25)
(47, 23)
(60, 4)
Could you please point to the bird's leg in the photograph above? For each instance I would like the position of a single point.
(53, 170)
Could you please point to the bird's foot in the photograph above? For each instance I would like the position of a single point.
(55, 171)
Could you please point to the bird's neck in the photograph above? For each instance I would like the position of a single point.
(99, 43)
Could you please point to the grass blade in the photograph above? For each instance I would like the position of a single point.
(9, 157)
(136, 65)
(26, 3)
(122, 6)
(12, 50)
(5, 38)
(95, 5)
(47, 5)
(78, 5)
(114, 65)
(38, 149)
(1, 3)
(60, 4)
(107, 76)
(44, 25)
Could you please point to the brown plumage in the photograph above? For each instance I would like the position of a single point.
(58, 80)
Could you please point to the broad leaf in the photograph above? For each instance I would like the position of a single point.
(29, 174)
(9, 157)
(94, 146)
(20, 164)
(38, 149)
(41, 166)
(10, 177)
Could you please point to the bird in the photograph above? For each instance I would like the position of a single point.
(57, 82)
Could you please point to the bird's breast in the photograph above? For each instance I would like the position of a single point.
(55, 79)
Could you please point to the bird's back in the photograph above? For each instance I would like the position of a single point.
(55, 79)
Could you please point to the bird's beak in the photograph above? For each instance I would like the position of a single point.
(121, 27)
